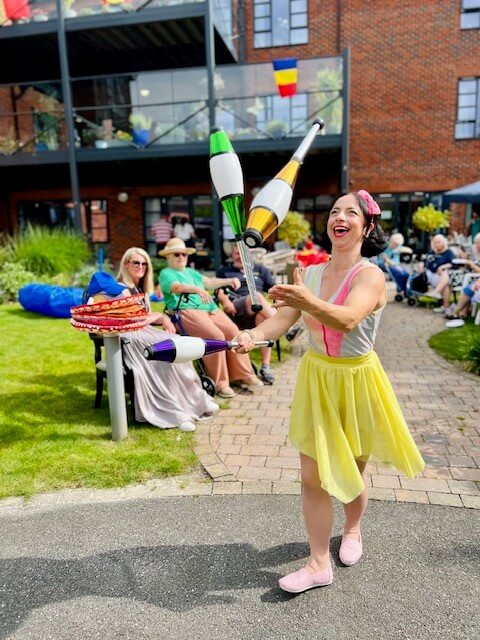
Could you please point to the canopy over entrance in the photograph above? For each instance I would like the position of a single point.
(468, 193)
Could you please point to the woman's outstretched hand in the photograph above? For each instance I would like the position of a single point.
(246, 341)
(294, 295)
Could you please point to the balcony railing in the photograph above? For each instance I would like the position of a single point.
(171, 107)
(22, 11)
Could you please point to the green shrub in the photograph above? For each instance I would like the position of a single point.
(82, 277)
(157, 265)
(470, 351)
(13, 276)
(50, 251)
(7, 253)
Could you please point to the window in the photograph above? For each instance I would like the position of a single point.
(280, 22)
(470, 15)
(468, 109)
(292, 112)
(60, 214)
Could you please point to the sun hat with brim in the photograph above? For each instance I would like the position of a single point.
(102, 282)
(174, 245)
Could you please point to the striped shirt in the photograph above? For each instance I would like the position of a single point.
(162, 231)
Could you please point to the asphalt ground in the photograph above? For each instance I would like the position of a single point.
(206, 567)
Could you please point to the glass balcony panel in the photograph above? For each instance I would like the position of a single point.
(170, 107)
(22, 11)
(32, 118)
(222, 19)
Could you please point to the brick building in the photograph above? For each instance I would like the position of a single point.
(399, 85)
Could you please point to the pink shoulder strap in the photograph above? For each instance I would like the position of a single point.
(345, 290)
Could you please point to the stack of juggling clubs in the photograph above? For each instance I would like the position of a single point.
(111, 316)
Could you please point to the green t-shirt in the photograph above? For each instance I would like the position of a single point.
(189, 277)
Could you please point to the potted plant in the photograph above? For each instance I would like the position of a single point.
(68, 12)
(276, 129)
(140, 124)
(294, 228)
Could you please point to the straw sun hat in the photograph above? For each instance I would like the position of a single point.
(174, 245)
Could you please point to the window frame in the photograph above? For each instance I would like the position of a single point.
(474, 122)
(269, 33)
(468, 10)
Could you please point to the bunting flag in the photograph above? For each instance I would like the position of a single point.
(285, 72)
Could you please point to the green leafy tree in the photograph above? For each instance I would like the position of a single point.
(430, 219)
(294, 229)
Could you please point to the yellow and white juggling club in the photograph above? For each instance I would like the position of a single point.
(271, 204)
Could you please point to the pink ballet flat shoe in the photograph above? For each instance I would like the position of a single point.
(302, 580)
(350, 551)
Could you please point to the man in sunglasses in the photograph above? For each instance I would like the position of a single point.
(238, 306)
(201, 317)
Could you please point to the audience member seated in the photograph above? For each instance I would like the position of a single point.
(201, 317)
(390, 259)
(438, 261)
(238, 305)
(474, 256)
(166, 395)
(471, 289)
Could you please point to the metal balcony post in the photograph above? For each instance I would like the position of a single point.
(69, 123)
(210, 61)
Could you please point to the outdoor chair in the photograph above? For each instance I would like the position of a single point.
(101, 372)
(242, 325)
(475, 307)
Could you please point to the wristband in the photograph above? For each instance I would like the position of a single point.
(250, 333)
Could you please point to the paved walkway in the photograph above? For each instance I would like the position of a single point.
(245, 449)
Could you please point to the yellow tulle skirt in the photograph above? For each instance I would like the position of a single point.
(344, 409)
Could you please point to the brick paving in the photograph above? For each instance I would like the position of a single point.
(245, 448)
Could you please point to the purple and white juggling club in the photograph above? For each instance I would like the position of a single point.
(187, 348)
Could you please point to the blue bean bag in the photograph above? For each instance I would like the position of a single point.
(49, 300)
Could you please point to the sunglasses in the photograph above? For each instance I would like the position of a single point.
(177, 255)
(137, 263)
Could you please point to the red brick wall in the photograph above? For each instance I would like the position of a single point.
(406, 59)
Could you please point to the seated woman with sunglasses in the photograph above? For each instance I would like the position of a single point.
(166, 395)
(202, 318)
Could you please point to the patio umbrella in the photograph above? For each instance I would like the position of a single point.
(467, 193)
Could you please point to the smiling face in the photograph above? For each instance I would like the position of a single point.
(439, 243)
(177, 260)
(346, 224)
(136, 267)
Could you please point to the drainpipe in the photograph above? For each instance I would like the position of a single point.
(210, 61)
(69, 124)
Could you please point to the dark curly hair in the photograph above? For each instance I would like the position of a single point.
(372, 245)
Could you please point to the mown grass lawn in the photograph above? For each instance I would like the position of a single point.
(449, 343)
(51, 437)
